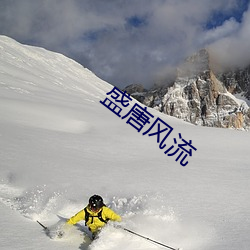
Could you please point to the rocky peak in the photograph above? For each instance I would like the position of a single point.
(237, 81)
(201, 97)
(136, 90)
(197, 64)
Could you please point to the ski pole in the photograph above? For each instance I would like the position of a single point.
(146, 238)
(45, 228)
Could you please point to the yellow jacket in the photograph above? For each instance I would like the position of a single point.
(94, 223)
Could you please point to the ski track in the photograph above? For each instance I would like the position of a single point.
(143, 214)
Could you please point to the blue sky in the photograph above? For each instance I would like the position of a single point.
(131, 41)
(218, 17)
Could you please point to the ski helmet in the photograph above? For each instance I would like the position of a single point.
(95, 202)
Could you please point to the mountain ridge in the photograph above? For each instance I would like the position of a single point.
(201, 95)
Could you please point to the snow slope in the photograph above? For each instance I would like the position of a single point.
(59, 145)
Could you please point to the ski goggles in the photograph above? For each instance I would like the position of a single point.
(94, 208)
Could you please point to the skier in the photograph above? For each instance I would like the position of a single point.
(95, 214)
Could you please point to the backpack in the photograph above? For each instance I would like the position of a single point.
(88, 216)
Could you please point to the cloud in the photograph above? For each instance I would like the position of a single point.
(232, 50)
(121, 41)
(228, 28)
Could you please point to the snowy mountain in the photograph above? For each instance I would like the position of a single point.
(237, 81)
(59, 144)
(201, 96)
